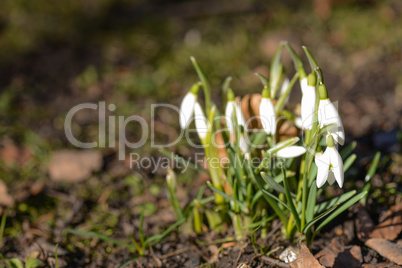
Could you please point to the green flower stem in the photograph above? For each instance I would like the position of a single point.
(205, 85)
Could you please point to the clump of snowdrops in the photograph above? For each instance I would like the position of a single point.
(258, 170)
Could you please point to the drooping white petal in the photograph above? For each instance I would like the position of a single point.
(327, 115)
(201, 122)
(307, 104)
(322, 162)
(243, 144)
(241, 121)
(337, 166)
(187, 109)
(230, 107)
(267, 116)
(331, 177)
(291, 151)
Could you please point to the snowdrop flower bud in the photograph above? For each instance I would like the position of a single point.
(267, 113)
(187, 106)
(242, 142)
(171, 179)
(285, 85)
(285, 149)
(330, 165)
(307, 85)
(291, 152)
(328, 115)
(231, 108)
(201, 122)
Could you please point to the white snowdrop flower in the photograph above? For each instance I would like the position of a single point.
(328, 115)
(267, 113)
(291, 152)
(231, 108)
(308, 101)
(330, 165)
(187, 106)
(201, 122)
(243, 144)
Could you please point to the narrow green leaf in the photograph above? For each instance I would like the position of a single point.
(266, 193)
(2, 226)
(205, 84)
(311, 60)
(56, 256)
(330, 203)
(290, 201)
(373, 167)
(282, 98)
(129, 261)
(341, 209)
(269, 199)
(102, 237)
(349, 162)
(156, 238)
(276, 186)
(312, 199)
(259, 223)
(319, 217)
(224, 195)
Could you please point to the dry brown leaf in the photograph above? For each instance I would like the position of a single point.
(391, 226)
(387, 249)
(364, 224)
(305, 259)
(74, 166)
(337, 255)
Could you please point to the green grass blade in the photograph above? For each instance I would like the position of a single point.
(56, 256)
(224, 195)
(312, 199)
(311, 59)
(282, 98)
(349, 162)
(2, 226)
(341, 209)
(319, 217)
(129, 261)
(102, 237)
(156, 238)
(225, 87)
(205, 85)
(276, 186)
(290, 201)
(268, 198)
(373, 167)
(330, 203)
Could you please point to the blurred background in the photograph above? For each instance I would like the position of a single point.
(136, 53)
